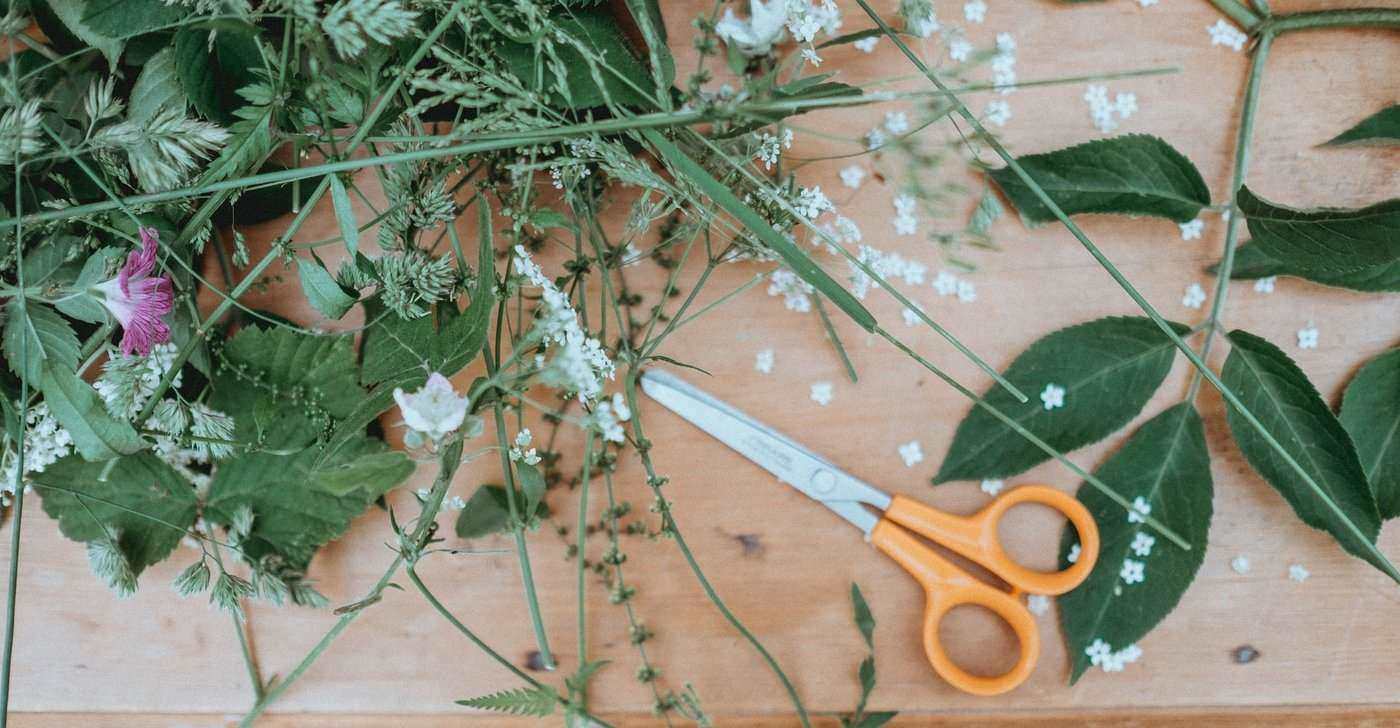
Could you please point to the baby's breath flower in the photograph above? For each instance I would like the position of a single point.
(579, 363)
(757, 35)
(1298, 572)
(1194, 297)
(1265, 284)
(911, 453)
(992, 487)
(1038, 604)
(1307, 337)
(822, 393)
(852, 176)
(1053, 396)
(1222, 33)
(1192, 230)
(796, 293)
(763, 362)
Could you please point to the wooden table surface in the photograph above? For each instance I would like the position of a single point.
(784, 566)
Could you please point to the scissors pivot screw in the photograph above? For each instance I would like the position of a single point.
(823, 482)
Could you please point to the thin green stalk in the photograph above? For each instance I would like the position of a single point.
(450, 459)
(1230, 397)
(581, 566)
(466, 631)
(671, 528)
(1236, 11)
(1340, 18)
(1257, 62)
(835, 339)
(239, 628)
(16, 518)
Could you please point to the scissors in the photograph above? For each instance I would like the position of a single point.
(899, 523)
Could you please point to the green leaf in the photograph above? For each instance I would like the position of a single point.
(531, 482)
(212, 67)
(865, 621)
(145, 502)
(1251, 262)
(250, 137)
(795, 258)
(321, 290)
(157, 88)
(1135, 174)
(1325, 240)
(1167, 465)
(597, 31)
(300, 371)
(375, 471)
(70, 13)
(36, 339)
(988, 211)
(128, 18)
(538, 702)
(1371, 414)
(345, 215)
(1108, 368)
(866, 673)
(1339, 500)
(75, 404)
(42, 261)
(487, 512)
(875, 720)
(1383, 127)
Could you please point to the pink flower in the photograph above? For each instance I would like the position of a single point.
(138, 300)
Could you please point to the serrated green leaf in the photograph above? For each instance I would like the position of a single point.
(1167, 465)
(345, 215)
(1251, 262)
(1382, 127)
(865, 621)
(1324, 240)
(596, 30)
(796, 259)
(128, 18)
(1371, 414)
(146, 503)
(374, 472)
(75, 404)
(1272, 387)
(538, 702)
(1108, 368)
(157, 88)
(250, 138)
(317, 372)
(70, 13)
(42, 261)
(1135, 174)
(321, 290)
(36, 339)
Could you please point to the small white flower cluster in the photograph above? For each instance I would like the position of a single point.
(1132, 571)
(607, 418)
(992, 487)
(580, 364)
(906, 220)
(886, 266)
(796, 293)
(1192, 230)
(896, 122)
(912, 453)
(1265, 284)
(1105, 113)
(45, 441)
(997, 113)
(1140, 511)
(947, 284)
(867, 45)
(1073, 555)
(1240, 564)
(1222, 33)
(1194, 297)
(771, 146)
(127, 382)
(959, 49)
(1307, 337)
(519, 453)
(763, 361)
(975, 11)
(811, 202)
(1004, 64)
(822, 393)
(1038, 604)
(919, 17)
(1101, 654)
(1298, 573)
(852, 176)
(1052, 397)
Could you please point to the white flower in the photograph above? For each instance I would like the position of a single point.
(911, 453)
(1132, 571)
(959, 49)
(1194, 297)
(1298, 572)
(821, 393)
(607, 420)
(810, 55)
(874, 139)
(770, 147)
(905, 205)
(975, 11)
(896, 122)
(456, 503)
(1140, 510)
(1052, 396)
(946, 284)
(433, 410)
(867, 45)
(846, 230)
(1192, 230)
(992, 487)
(796, 293)
(763, 361)
(997, 113)
(1307, 337)
(1038, 604)
(1147, 3)
(1265, 284)
(620, 408)
(1240, 564)
(852, 176)
(1222, 33)
(1125, 104)
(811, 202)
(911, 317)
(967, 292)
(1098, 652)
(757, 35)
(884, 265)
(580, 364)
(1143, 543)
(906, 225)
(1073, 555)
(1006, 44)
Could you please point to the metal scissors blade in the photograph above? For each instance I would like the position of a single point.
(790, 462)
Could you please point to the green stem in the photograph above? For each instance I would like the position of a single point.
(1237, 12)
(450, 459)
(581, 566)
(249, 661)
(1341, 18)
(1232, 227)
(446, 614)
(835, 339)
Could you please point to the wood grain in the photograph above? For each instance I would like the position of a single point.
(1328, 647)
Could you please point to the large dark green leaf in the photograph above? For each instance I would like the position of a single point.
(1383, 127)
(1108, 368)
(70, 14)
(625, 79)
(1127, 175)
(38, 339)
(315, 372)
(1327, 240)
(147, 504)
(1272, 387)
(1252, 262)
(157, 88)
(1166, 464)
(126, 18)
(1371, 414)
(211, 72)
(75, 404)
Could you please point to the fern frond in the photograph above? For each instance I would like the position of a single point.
(538, 702)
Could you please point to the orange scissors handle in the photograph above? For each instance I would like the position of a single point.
(948, 586)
